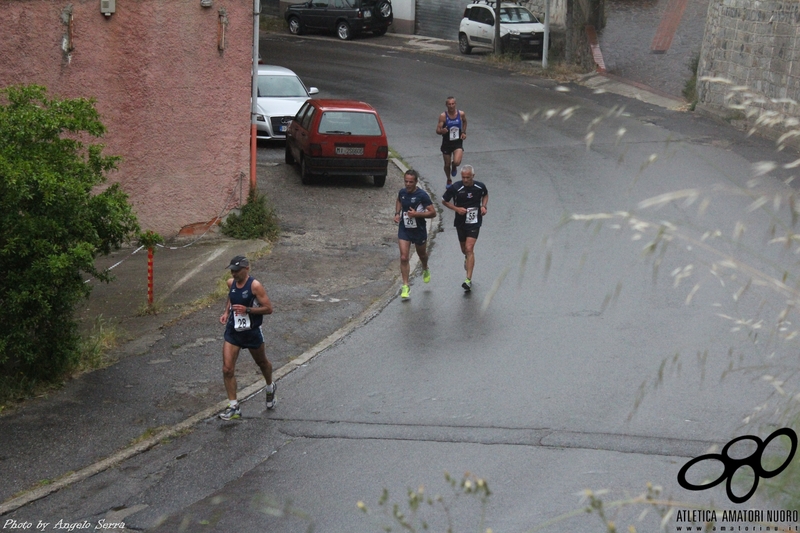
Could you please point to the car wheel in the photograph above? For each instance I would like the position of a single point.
(463, 44)
(305, 175)
(295, 27)
(343, 31)
(379, 32)
(379, 181)
(289, 158)
(384, 9)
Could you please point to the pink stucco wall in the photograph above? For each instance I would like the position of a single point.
(177, 108)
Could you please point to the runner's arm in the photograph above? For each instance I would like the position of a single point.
(223, 319)
(265, 305)
(398, 208)
(440, 129)
(463, 125)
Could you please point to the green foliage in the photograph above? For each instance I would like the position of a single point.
(52, 227)
(690, 87)
(257, 220)
(150, 239)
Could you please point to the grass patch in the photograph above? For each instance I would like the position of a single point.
(103, 337)
(690, 87)
(257, 220)
(148, 433)
(150, 308)
(270, 23)
(92, 355)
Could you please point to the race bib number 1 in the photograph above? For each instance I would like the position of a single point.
(472, 215)
(454, 133)
(241, 322)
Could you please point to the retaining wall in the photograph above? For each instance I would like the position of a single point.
(754, 46)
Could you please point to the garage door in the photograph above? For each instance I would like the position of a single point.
(439, 18)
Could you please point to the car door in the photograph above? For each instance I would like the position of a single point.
(485, 26)
(316, 15)
(297, 136)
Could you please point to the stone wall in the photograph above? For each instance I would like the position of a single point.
(174, 98)
(751, 49)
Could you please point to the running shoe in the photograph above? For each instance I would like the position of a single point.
(405, 292)
(454, 171)
(426, 276)
(449, 183)
(271, 401)
(231, 412)
(467, 285)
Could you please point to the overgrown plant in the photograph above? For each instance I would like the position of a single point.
(256, 221)
(763, 344)
(690, 87)
(421, 508)
(52, 226)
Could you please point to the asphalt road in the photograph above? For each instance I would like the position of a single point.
(531, 381)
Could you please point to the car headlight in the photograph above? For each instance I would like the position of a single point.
(513, 32)
(260, 118)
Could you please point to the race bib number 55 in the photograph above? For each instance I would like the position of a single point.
(472, 215)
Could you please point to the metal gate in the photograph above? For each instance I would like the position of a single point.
(439, 18)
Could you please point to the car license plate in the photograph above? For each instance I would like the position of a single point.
(349, 150)
(282, 128)
(367, 13)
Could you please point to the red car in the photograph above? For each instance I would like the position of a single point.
(338, 138)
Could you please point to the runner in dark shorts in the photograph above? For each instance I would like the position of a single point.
(412, 207)
(452, 126)
(245, 308)
(468, 198)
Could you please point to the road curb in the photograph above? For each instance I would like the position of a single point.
(246, 393)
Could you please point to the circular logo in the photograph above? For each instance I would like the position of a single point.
(732, 465)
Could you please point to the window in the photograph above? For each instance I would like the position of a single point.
(516, 15)
(349, 123)
(280, 87)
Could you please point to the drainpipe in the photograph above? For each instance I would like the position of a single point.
(254, 97)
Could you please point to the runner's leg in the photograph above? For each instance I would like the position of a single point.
(230, 353)
(405, 253)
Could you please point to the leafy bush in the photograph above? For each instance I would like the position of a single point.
(52, 227)
(256, 221)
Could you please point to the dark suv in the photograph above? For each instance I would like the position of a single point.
(344, 17)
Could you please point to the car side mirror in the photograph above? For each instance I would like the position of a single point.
(313, 90)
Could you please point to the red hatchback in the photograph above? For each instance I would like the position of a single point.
(338, 138)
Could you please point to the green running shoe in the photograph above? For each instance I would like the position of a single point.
(405, 292)
(426, 276)
(467, 285)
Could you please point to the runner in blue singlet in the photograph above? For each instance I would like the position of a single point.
(452, 127)
(244, 312)
(412, 207)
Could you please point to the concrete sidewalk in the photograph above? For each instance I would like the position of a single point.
(322, 278)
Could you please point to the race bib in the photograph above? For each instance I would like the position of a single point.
(408, 222)
(241, 322)
(472, 215)
(455, 133)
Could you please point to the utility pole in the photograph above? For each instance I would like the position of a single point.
(546, 40)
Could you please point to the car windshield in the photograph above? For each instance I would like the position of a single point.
(349, 123)
(270, 86)
(516, 15)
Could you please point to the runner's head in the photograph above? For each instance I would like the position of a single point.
(467, 175)
(410, 179)
(450, 102)
(239, 266)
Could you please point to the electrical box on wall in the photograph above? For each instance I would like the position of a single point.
(107, 7)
